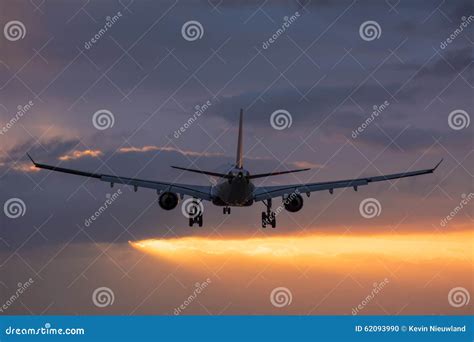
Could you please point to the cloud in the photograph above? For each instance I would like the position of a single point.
(323, 100)
(77, 154)
(155, 78)
(161, 78)
(150, 148)
(39, 149)
(415, 139)
(451, 63)
(27, 167)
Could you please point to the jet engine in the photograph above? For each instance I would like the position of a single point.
(293, 203)
(168, 200)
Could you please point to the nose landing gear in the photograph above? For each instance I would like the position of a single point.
(269, 216)
(226, 210)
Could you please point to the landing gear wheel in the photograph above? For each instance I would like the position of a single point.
(198, 220)
(273, 220)
(226, 210)
(268, 217)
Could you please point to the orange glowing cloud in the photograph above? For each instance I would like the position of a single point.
(327, 273)
(149, 148)
(25, 167)
(81, 154)
(417, 246)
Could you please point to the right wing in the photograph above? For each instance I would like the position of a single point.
(196, 191)
(267, 192)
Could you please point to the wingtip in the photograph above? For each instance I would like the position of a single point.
(436, 166)
(31, 159)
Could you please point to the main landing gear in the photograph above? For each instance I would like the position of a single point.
(226, 210)
(269, 216)
(197, 220)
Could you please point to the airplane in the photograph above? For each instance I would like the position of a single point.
(235, 188)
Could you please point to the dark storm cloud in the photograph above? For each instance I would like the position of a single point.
(461, 8)
(415, 139)
(449, 63)
(148, 84)
(152, 91)
(317, 104)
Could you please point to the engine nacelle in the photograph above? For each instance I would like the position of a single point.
(168, 200)
(293, 203)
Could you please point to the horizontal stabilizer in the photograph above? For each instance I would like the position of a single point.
(209, 173)
(261, 175)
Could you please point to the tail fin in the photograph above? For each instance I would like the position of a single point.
(239, 158)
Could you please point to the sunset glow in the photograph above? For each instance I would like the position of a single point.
(419, 246)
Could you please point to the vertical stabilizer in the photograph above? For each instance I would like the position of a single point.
(238, 161)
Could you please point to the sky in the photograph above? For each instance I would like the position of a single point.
(63, 65)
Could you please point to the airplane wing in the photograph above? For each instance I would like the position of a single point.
(197, 191)
(267, 192)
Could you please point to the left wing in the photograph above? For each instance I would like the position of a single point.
(197, 191)
(267, 192)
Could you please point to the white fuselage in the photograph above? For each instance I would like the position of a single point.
(237, 191)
